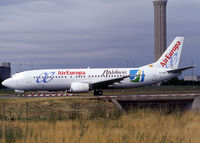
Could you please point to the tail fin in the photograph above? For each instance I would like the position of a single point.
(170, 58)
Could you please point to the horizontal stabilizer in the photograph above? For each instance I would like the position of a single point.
(181, 69)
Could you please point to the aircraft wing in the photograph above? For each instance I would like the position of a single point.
(106, 83)
(180, 70)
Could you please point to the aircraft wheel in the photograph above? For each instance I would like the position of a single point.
(98, 92)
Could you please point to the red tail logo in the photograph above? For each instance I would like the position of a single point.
(170, 54)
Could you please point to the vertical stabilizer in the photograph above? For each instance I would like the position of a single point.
(170, 58)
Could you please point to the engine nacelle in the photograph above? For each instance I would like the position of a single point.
(79, 87)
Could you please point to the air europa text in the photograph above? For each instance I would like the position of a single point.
(170, 54)
(71, 72)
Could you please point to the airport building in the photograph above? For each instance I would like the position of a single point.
(5, 71)
(160, 34)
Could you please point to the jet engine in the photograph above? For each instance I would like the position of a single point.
(79, 87)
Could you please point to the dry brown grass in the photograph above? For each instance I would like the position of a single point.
(85, 120)
(53, 108)
(140, 127)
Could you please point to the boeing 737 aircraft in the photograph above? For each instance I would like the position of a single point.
(97, 79)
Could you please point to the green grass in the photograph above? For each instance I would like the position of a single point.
(153, 90)
(138, 90)
(149, 90)
(4, 92)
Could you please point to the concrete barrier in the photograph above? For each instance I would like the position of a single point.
(169, 102)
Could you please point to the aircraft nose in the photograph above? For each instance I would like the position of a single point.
(10, 83)
(5, 83)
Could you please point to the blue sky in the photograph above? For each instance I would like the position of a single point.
(95, 33)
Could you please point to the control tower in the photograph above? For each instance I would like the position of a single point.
(160, 34)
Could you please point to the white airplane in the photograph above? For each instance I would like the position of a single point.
(97, 79)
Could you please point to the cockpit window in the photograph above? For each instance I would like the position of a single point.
(14, 75)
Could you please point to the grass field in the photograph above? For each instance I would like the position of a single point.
(85, 120)
(139, 90)
(49, 109)
(151, 90)
(142, 126)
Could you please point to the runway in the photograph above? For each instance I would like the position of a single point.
(119, 96)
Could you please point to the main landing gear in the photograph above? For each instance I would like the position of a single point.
(98, 92)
